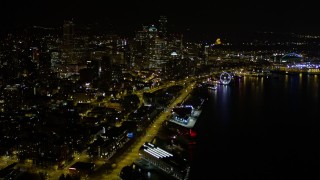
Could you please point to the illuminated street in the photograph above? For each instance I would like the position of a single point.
(132, 154)
(101, 90)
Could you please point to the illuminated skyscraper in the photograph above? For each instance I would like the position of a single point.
(68, 42)
(163, 27)
(68, 34)
(12, 98)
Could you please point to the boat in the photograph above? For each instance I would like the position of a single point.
(214, 87)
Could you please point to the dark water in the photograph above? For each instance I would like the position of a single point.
(260, 128)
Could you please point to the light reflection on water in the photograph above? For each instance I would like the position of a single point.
(260, 128)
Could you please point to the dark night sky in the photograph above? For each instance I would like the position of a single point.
(198, 15)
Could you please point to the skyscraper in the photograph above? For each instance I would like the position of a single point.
(68, 34)
(163, 27)
(68, 43)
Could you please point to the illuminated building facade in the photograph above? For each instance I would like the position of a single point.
(68, 43)
(163, 27)
(12, 98)
(165, 161)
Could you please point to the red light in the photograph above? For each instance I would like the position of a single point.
(192, 133)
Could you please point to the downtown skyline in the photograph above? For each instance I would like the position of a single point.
(81, 98)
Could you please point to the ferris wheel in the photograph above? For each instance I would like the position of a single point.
(225, 78)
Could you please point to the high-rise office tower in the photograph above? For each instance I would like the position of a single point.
(68, 43)
(68, 34)
(163, 27)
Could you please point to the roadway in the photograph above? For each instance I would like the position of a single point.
(132, 153)
(54, 174)
(126, 158)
